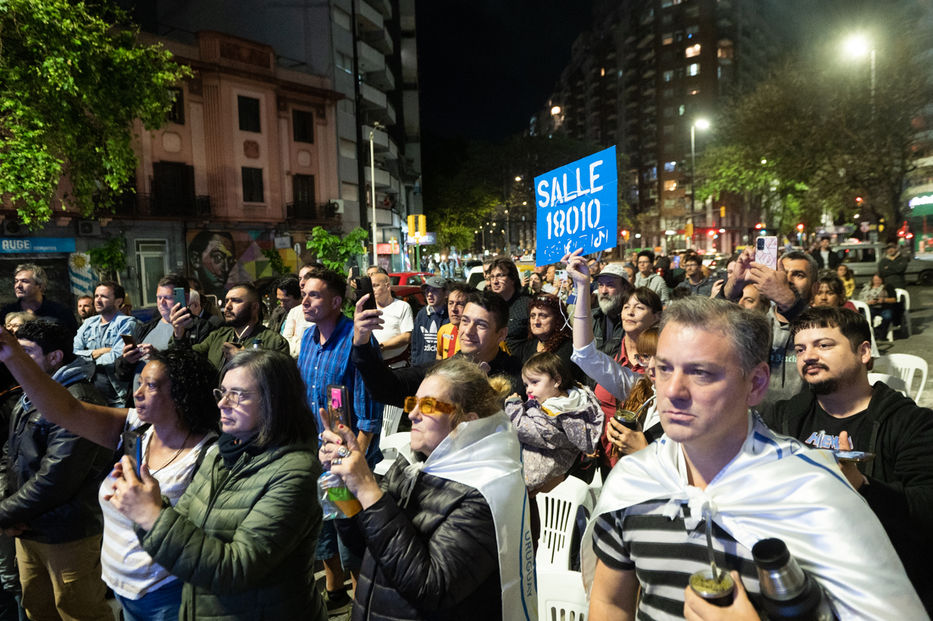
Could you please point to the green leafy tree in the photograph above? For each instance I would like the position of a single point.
(815, 135)
(109, 258)
(336, 252)
(72, 80)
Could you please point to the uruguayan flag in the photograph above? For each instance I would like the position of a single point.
(81, 274)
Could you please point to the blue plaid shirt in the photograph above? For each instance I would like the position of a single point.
(321, 365)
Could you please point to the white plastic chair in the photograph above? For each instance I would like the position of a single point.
(558, 511)
(391, 447)
(904, 298)
(561, 596)
(862, 307)
(906, 367)
(892, 381)
(391, 416)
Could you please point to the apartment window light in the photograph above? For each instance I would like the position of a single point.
(692, 50)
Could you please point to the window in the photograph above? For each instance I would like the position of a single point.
(692, 50)
(252, 185)
(693, 69)
(693, 10)
(177, 112)
(693, 91)
(679, 36)
(725, 49)
(667, 38)
(667, 93)
(692, 31)
(668, 75)
(670, 166)
(681, 110)
(670, 185)
(667, 129)
(668, 112)
(248, 108)
(302, 126)
(602, 72)
(152, 255)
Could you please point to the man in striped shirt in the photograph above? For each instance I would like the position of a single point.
(718, 462)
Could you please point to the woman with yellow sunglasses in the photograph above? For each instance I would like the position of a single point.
(447, 536)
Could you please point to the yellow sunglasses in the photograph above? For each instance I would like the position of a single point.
(428, 405)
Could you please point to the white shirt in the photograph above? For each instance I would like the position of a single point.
(293, 329)
(397, 319)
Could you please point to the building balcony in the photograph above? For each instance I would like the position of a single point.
(369, 18)
(382, 144)
(383, 178)
(381, 40)
(381, 78)
(370, 59)
(317, 213)
(133, 205)
(376, 106)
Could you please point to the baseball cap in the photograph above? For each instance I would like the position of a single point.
(612, 269)
(437, 282)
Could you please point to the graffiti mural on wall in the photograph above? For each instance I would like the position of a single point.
(220, 259)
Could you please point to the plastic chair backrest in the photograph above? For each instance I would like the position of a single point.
(558, 511)
(892, 381)
(561, 596)
(391, 446)
(862, 307)
(904, 297)
(906, 367)
(391, 416)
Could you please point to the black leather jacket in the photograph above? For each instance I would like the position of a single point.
(430, 553)
(53, 475)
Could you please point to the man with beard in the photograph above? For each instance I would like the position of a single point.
(790, 287)
(242, 328)
(85, 307)
(840, 410)
(99, 339)
(504, 280)
(612, 290)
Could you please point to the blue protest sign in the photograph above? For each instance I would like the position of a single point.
(577, 207)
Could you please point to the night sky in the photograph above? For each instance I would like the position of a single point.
(485, 66)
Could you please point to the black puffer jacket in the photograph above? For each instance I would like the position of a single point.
(430, 554)
(52, 474)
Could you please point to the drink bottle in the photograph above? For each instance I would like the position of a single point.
(787, 592)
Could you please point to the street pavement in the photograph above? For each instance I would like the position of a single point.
(920, 342)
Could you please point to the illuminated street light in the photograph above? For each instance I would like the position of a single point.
(555, 110)
(859, 46)
(518, 178)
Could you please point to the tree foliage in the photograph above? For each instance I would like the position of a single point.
(335, 252)
(814, 136)
(72, 80)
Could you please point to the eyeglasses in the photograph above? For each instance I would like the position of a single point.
(428, 405)
(498, 276)
(235, 396)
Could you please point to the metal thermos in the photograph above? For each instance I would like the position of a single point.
(787, 592)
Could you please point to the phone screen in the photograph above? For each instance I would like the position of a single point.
(179, 295)
(128, 339)
(337, 406)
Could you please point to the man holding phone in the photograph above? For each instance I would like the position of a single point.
(324, 361)
(839, 409)
(172, 293)
(53, 478)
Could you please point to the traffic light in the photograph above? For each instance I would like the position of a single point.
(859, 200)
(800, 227)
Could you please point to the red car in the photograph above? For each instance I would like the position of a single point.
(409, 278)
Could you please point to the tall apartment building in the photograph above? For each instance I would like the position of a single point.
(641, 79)
(269, 138)
(918, 195)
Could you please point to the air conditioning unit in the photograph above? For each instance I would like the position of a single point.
(339, 203)
(12, 228)
(88, 228)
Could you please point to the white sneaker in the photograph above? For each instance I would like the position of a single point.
(877, 320)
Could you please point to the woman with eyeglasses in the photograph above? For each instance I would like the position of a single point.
(175, 421)
(447, 535)
(237, 540)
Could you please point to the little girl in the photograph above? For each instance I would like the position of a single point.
(558, 422)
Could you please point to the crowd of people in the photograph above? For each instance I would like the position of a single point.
(178, 462)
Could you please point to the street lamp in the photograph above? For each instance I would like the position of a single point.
(372, 184)
(701, 124)
(858, 46)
